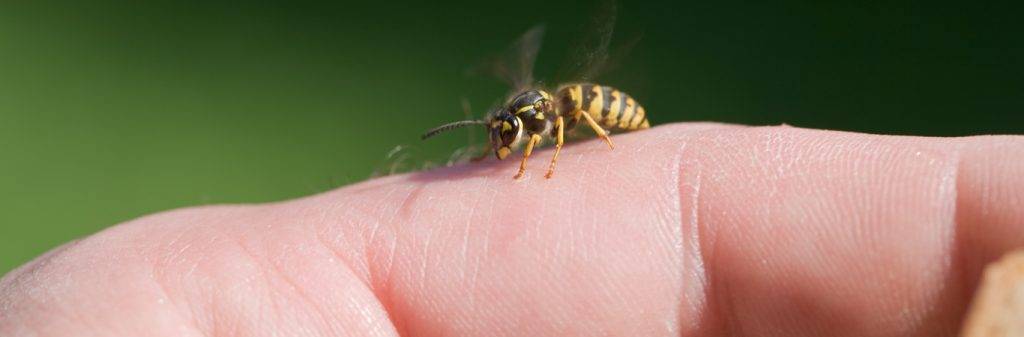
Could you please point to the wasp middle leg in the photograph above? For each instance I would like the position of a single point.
(559, 139)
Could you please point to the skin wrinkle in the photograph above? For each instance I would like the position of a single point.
(372, 280)
(266, 279)
(720, 289)
(269, 309)
(205, 320)
(139, 268)
(178, 257)
(323, 313)
(386, 222)
(377, 244)
(989, 208)
(941, 200)
(951, 261)
(158, 280)
(956, 239)
(962, 233)
(383, 295)
(681, 330)
(719, 306)
(426, 261)
(160, 266)
(954, 294)
(690, 235)
(944, 164)
(371, 242)
(365, 311)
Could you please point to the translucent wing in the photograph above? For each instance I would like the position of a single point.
(514, 66)
(395, 161)
(589, 57)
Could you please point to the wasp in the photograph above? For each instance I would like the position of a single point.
(532, 115)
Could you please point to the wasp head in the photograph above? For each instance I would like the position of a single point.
(505, 130)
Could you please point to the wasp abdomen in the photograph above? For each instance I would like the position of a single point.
(610, 107)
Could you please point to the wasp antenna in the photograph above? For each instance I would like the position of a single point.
(449, 126)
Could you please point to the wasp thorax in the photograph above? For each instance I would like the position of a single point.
(530, 102)
(505, 132)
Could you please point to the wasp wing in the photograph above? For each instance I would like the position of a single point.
(591, 55)
(514, 66)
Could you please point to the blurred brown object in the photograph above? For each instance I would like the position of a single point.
(998, 307)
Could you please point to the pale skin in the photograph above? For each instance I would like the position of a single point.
(685, 229)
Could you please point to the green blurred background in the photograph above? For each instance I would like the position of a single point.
(112, 110)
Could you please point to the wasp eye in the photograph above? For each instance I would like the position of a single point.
(509, 129)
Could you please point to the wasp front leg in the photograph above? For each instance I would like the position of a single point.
(559, 139)
(534, 139)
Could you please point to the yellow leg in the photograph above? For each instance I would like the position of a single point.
(526, 154)
(598, 129)
(560, 126)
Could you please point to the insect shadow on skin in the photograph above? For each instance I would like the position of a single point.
(532, 115)
(494, 169)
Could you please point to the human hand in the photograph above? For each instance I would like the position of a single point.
(686, 229)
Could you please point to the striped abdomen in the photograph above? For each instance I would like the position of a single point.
(611, 108)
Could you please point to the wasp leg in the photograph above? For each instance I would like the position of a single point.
(534, 138)
(560, 126)
(598, 129)
(483, 155)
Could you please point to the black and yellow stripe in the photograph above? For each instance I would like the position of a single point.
(611, 108)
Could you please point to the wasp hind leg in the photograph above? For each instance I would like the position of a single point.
(560, 127)
(597, 128)
(534, 139)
